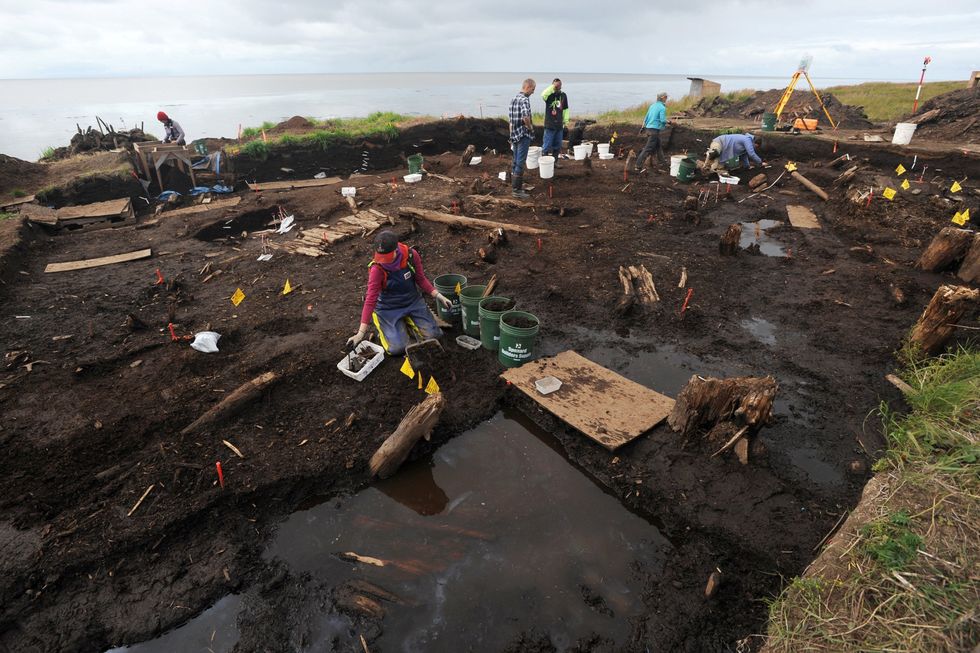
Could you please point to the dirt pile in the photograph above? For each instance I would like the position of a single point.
(294, 124)
(953, 116)
(94, 140)
(17, 174)
(802, 104)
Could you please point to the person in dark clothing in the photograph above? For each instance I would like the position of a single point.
(555, 118)
(521, 133)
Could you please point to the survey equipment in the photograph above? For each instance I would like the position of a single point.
(802, 71)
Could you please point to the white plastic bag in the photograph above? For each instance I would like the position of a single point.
(206, 342)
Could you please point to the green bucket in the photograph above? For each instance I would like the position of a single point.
(469, 299)
(517, 342)
(687, 168)
(446, 284)
(415, 165)
(490, 321)
(768, 121)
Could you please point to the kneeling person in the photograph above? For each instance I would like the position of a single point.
(393, 301)
(733, 151)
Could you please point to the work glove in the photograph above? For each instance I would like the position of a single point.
(356, 339)
(439, 297)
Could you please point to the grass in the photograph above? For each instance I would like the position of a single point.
(884, 101)
(905, 578)
(7, 216)
(18, 192)
(381, 124)
(47, 153)
(635, 114)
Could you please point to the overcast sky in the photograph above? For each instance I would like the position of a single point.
(855, 38)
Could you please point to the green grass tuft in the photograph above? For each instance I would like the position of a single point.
(17, 192)
(7, 216)
(885, 101)
(256, 149)
(47, 153)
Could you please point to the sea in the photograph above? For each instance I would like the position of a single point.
(39, 113)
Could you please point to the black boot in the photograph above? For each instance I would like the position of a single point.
(518, 187)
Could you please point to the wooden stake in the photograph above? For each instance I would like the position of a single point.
(491, 286)
(728, 245)
(137, 505)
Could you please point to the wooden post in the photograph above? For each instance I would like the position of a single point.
(417, 423)
(947, 306)
(728, 245)
(819, 192)
(242, 395)
(948, 246)
(970, 268)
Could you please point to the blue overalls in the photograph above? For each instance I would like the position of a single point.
(400, 307)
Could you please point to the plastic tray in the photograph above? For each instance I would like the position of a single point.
(413, 178)
(466, 342)
(366, 347)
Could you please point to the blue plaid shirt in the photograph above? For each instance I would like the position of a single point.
(520, 107)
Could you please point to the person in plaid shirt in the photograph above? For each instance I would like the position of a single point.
(521, 133)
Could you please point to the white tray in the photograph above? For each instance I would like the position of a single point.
(364, 348)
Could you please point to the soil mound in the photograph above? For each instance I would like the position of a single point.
(802, 104)
(953, 117)
(17, 174)
(93, 140)
(294, 124)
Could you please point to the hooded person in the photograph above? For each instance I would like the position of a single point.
(394, 302)
(172, 131)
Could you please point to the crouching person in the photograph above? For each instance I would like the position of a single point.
(394, 302)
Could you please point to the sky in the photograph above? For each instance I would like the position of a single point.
(869, 39)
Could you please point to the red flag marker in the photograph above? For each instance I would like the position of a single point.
(551, 191)
(650, 219)
(835, 147)
(869, 199)
(539, 244)
(690, 291)
(159, 278)
(221, 475)
(173, 336)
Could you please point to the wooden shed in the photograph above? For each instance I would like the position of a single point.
(703, 87)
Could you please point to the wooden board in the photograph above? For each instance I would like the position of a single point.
(801, 217)
(113, 208)
(610, 409)
(201, 208)
(22, 200)
(296, 183)
(69, 266)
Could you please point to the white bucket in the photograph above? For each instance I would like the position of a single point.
(547, 170)
(589, 145)
(675, 164)
(533, 154)
(581, 151)
(903, 133)
(603, 148)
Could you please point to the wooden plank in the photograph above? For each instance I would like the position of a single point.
(472, 223)
(201, 208)
(112, 208)
(296, 183)
(70, 266)
(17, 202)
(801, 217)
(605, 406)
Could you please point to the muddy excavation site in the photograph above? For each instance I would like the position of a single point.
(510, 529)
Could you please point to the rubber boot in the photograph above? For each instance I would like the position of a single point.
(518, 187)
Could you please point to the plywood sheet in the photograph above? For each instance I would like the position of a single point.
(201, 208)
(70, 266)
(22, 200)
(111, 209)
(296, 183)
(607, 407)
(801, 217)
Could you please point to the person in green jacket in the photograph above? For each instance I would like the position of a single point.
(555, 118)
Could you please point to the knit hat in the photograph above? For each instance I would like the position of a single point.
(162, 117)
(385, 242)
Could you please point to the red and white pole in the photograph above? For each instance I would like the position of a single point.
(922, 77)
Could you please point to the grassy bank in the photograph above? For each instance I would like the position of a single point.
(884, 101)
(635, 114)
(904, 573)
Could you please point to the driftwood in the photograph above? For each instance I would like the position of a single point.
(819, 192)
(847, 175)
(417, 423)
(472, 223)
(638, 288)
(236, 401)
(970, 268)
(744, 400)
(925, 117)
(728, 245)
(757, 181)
(937, 323)
(949, 246)
(839, 161)
(468, 154)
(500, 201)
(491, 286)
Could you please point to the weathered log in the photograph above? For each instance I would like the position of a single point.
(233, 403)
(925, 117)
(970, 268)
(757, 181)
(468, 154)
(472, 223)
(936, 325)
(839, 161)
(816, 190)
(728, 245)
(417, 423)
(745, 400)
(499, 201)
(638, 288)
(847, 175)
(949, 246)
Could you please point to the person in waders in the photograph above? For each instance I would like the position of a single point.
(394, 301)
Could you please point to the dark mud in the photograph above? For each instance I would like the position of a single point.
(95, 420)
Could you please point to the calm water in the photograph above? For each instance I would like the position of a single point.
(35, 114)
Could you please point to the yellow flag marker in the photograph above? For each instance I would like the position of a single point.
(407, 369)
(614, 137)
(458, 288)
(905, 184)
(238, 297)
(420, 380)
(287, 288)
(790, 166)
(955, 188)
(889, 193)
(959, 219)
(432, 387)
(900, 170)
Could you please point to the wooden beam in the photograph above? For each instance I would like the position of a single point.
(472, 223)
(70, 266)
(296, 183)
(819, 192)
(201, 208)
